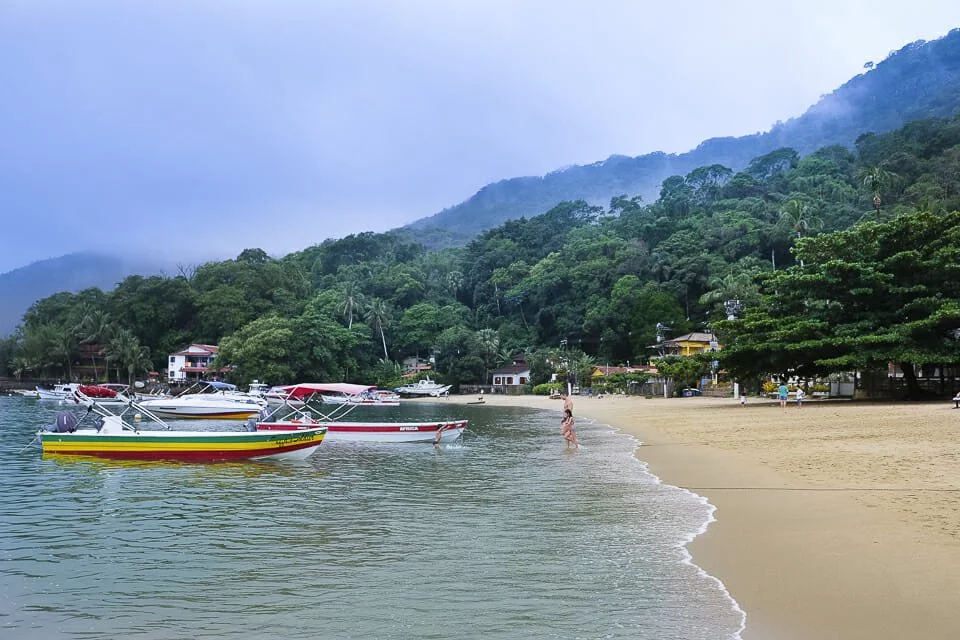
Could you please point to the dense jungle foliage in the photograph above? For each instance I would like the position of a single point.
(875, 228)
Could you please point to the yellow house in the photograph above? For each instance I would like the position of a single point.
(690, 344)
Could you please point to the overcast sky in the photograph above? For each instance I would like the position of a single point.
(196, 129)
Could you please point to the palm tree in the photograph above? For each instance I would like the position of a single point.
(378, 314)
(800, 216)
(125, 349)
(63, 345)
(734, 291)
(118, 345)
(95, 327)
(582, 365)
(876, 179)
(489, 343)
(137, 361)
(352, 301)
(454, 282)
(20, 365)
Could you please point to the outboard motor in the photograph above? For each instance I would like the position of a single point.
(66, 423)
(251, 424)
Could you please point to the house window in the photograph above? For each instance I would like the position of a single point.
(173, 359)
(523, 380)
(498, 380)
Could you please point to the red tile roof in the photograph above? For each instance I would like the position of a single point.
(211, 349)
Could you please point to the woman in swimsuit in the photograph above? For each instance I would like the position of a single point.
(567, 429)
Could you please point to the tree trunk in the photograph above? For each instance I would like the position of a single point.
(914, 392)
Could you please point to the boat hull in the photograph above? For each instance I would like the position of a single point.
(187, 446)
(366, 402)
(377, 431)
(195, 412)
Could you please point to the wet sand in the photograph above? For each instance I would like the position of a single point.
(838, 520)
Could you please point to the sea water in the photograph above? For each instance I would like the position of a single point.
(504, 534)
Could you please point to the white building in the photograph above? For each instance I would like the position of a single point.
(514, 375)
(191, 363)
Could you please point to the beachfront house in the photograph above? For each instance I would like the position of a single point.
(192, 363)
(689, 344)
(511, 377)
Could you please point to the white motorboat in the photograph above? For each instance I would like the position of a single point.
(258, 389)
(425, 387)
(59, 392)
(370, 397)
(215, 400)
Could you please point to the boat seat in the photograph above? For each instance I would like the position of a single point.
(112, 425)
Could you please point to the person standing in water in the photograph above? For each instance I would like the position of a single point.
(568, 430)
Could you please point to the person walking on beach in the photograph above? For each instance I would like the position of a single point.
(568, 430)
(800, 395)
(782, 392)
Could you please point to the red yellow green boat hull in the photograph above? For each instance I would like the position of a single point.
(190, 446)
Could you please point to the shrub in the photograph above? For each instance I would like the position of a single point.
(546, 389)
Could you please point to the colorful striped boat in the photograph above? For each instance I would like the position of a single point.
(117, 440)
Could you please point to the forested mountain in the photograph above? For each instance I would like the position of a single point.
(598, 280)
(921, 80)
(22, 287)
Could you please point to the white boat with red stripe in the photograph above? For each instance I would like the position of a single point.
(308, 416)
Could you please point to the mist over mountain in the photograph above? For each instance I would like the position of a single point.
(72, 272)
(921, 80)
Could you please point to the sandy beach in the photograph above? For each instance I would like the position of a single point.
(837, 520)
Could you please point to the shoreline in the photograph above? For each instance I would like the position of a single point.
(837, 520)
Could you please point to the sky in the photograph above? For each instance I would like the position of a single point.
(188, 131)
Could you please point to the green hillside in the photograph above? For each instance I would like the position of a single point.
(921, 80)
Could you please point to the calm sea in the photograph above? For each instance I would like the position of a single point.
(504, 535)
